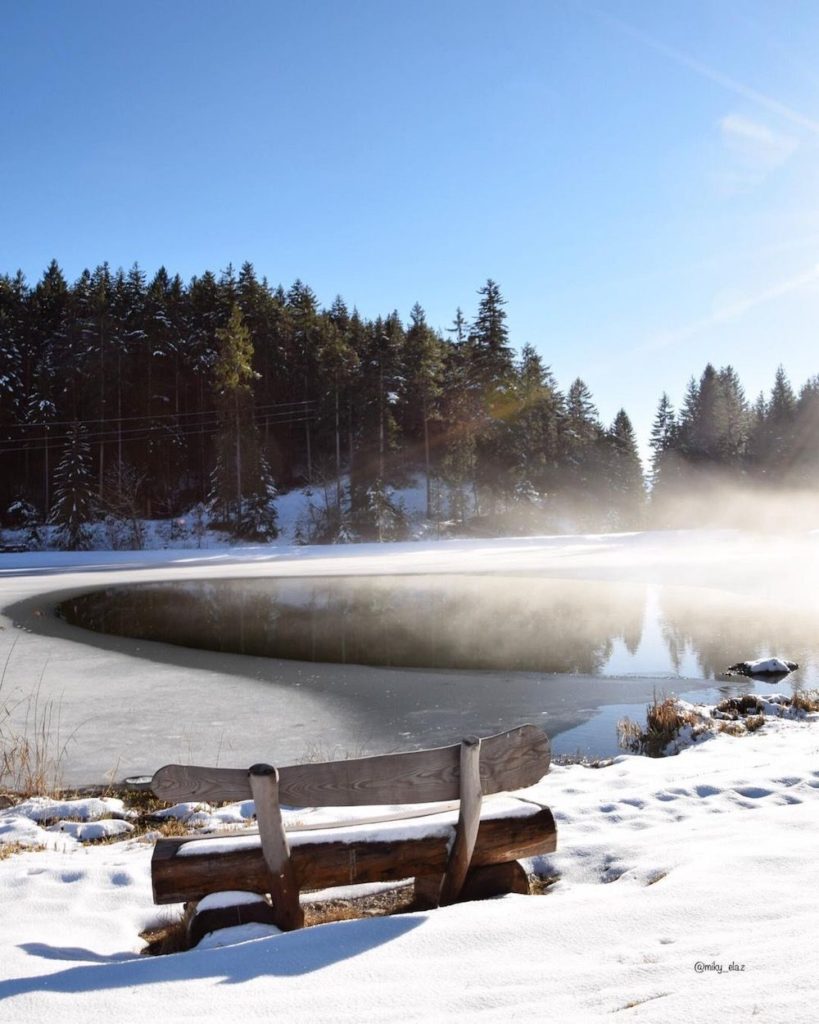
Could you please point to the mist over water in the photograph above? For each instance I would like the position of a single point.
(569, 632)
(499, 623)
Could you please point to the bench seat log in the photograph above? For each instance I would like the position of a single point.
(237, 862)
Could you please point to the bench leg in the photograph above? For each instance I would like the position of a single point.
(481, 883)
(284, 891)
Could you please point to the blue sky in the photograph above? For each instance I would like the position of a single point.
(639, 177)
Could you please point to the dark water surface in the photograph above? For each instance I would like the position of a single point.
(529, 635)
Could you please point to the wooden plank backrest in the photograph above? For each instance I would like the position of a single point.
(508, 761)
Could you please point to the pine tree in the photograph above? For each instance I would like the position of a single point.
(73, 506)
(664, 444)
(806, 435)
(242, 489)
(625, 473)
(422, 386)
(338, 362)
(535, 426)
(493, 363)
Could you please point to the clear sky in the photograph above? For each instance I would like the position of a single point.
(640, 178)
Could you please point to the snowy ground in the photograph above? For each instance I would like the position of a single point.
(671, 871)
(687, 893)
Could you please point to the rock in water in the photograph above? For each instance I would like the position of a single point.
(764, 667)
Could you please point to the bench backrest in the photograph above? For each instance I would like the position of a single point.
(508, 761)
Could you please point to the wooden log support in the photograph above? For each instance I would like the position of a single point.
(319, 865)
(214, 919)
(492, 880)
(469, 819)
(284, 892)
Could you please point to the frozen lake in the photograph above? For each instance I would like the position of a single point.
(242, 655)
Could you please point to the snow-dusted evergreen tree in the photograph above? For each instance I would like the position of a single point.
(73, 507)
(421, 386)
(242, 489)
(12, 311)
(22, 516)
(386, 515)
(536, 425)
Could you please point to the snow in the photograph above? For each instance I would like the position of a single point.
(40, 808)
(671, 872)
(86, 831)
(216, 900)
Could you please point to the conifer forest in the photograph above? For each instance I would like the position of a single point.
(134, 398)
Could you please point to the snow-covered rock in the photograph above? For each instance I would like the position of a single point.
(764, 667)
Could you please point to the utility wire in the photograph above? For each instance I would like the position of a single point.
(55, 442)
(158, 416)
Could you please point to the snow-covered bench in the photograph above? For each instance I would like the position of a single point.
(466, 848)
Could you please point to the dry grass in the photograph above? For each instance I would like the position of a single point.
(9, 849)
(805, 700)
(169, 934)
(32, 751)
(539, 885)
(664, 721)
(732, 728)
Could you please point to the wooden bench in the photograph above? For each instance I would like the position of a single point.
(449, 857)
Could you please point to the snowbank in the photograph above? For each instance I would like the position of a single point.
(686, 893)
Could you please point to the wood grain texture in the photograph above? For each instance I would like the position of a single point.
(284, 892)
(319, 865)
(509, 761)
(469, 819)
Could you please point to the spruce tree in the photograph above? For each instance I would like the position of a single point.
(242, 489)
(421, 386)
(73, 506)
(493, 362)
(625, 473)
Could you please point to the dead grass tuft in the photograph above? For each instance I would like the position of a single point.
(9, 849)
(169, 934)
(805, 700)
(664, 721)
(31, 751)
(539, 885)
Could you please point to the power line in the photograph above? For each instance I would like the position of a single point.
(55, 443)
(157, 416)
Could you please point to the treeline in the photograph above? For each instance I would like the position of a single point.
(718, 437)
(133, 398)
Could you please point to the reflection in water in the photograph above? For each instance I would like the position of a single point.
(714, 627)
(512, 623)
(466, 622)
